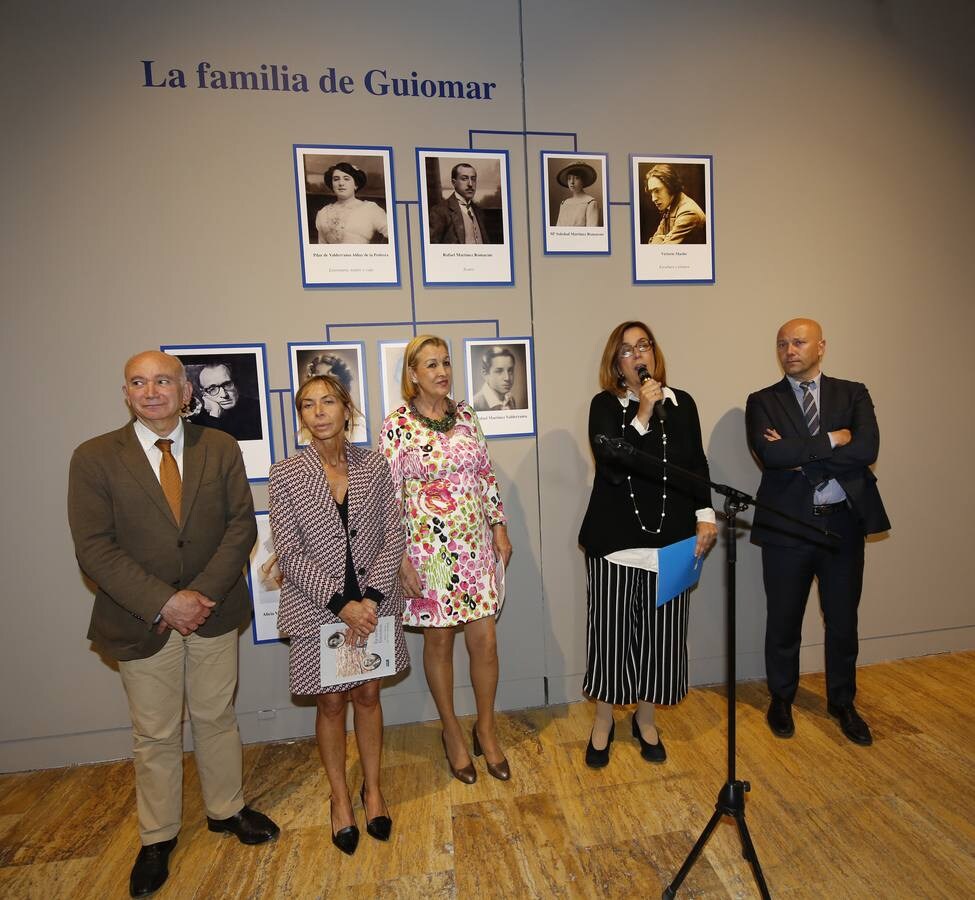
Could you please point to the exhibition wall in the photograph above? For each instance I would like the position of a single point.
(137, 216)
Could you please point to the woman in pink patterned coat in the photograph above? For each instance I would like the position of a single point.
(455, 532)
(339, 541)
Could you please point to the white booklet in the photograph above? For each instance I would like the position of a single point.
(345, 658)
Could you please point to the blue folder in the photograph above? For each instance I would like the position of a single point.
(678, 569)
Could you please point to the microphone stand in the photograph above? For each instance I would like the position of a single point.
(731, 797)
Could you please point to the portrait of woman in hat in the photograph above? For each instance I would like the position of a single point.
(579, 209)
(349, 220)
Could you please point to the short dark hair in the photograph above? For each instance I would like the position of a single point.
(668, 175)
(453, 171)
(493, 352)
(338, 367)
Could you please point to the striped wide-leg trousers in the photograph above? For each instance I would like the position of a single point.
(634, 649)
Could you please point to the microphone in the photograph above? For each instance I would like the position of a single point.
(658, 408)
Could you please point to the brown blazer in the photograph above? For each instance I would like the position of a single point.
(129, 544)
(310, 540)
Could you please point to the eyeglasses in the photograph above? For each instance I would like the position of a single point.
(214, 389)
(626, 351)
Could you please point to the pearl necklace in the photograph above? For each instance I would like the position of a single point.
(629, 482)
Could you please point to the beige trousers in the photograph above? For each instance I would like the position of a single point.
(204, 670)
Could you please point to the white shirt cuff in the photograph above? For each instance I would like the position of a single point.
(705, 515)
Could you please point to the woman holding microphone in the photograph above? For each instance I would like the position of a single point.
(636, 652)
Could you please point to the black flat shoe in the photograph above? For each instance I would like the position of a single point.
(468, 774)
(151, 868)
(346, 839)
(654, 753)
(501, 771)
(850, 722)
(381, 826)
(248, 826)
(596, 759)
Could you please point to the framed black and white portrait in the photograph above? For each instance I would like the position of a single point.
(264, 578)
(346, 362)
(501, 384)
(673, 219)
(575, 195)
(465, 216)
(391, 373)
(230, 393)
(346, 215)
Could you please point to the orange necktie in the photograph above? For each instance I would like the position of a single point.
(169, 478)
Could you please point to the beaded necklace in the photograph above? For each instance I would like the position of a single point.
(447, 421)
(629, 482)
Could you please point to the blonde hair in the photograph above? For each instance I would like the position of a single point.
(335, 387)
(410, 354)
(610, 375)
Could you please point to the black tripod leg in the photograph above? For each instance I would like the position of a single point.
(748, 851)
(671, 890)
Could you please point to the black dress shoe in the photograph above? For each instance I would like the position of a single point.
(151, 868)
(501, 770)
(654, 753)
(248, 826)
(853, 726)
(381, 826)
(347, 839)
(596, 759)
(779, 718)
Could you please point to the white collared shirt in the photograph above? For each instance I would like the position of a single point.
(147, 438)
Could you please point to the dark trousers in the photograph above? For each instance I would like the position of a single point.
(788, 574)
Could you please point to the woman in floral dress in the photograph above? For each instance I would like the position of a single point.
(455, 531)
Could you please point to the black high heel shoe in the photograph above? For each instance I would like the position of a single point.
(654, 753)
(346, 839)
(596, 759)
(501, 771)
(468, 774)
(381, 826)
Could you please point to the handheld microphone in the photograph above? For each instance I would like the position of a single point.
(658, 408)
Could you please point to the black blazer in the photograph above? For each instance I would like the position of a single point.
(610, 523)
(447, 223)
(792, 466)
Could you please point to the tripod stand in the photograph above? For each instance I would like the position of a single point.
(731, 797)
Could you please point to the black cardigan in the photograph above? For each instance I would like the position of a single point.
(610, 523)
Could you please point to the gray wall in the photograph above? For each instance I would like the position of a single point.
(842, 136)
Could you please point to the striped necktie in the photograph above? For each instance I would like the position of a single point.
(169, 477)
(810, 411)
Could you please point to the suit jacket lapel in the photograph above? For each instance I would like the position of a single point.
(134, 459)
(318, 484)
(790, 406)
(358, 482)
(194, 458)
(827, 403)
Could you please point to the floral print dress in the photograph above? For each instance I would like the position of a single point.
(450, 500)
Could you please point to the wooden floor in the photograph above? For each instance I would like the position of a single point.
(828, 818)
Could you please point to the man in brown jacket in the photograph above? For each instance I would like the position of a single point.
(163, 523)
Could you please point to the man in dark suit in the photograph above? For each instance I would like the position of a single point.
(163, 523)
(458, 219)
(816, 438)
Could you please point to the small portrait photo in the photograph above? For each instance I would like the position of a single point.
(576, 199)
(230, 394)
(264, 578)
(672, 211)
(336, 640)
(391, 373)
(500, 385)
(371, 661)
(347, 215)
(465, 216)
(347, 363)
